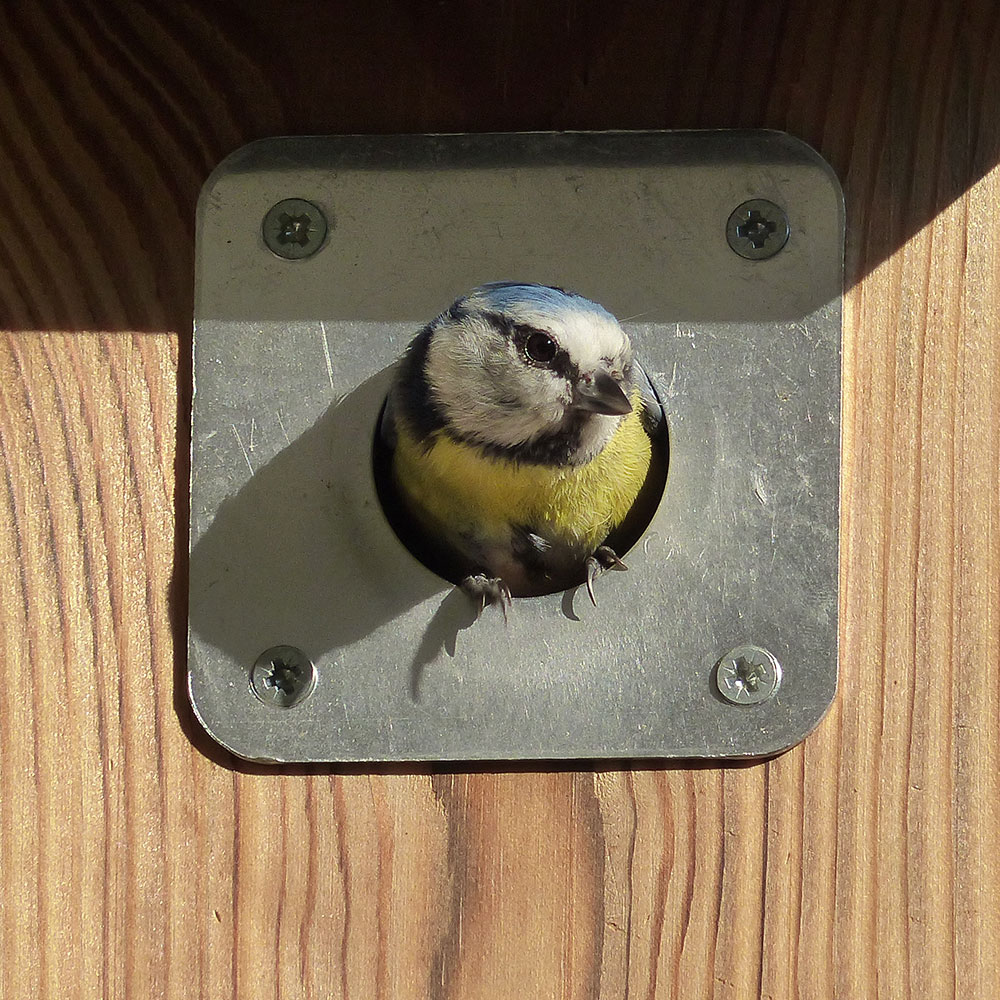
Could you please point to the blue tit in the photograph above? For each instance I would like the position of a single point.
(522, 443)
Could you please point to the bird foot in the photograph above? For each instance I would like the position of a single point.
(488, 590)
(603, 558)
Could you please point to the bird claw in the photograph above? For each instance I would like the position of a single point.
(488, 590)
(603, 558)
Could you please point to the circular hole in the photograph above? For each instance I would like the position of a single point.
(436, 555)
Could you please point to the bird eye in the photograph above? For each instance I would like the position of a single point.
(541, 348)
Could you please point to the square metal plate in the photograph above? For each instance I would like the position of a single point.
(292, 360)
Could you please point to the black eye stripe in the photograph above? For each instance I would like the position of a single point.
(560, 362)
(520, 332)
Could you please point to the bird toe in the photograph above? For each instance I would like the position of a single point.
(604, 557)
(488, 590)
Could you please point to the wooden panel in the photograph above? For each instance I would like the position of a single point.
(137, 860)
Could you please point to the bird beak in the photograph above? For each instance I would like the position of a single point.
(601, 393)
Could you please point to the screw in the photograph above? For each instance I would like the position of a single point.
(748, 675)
(757, 229)
(283, 676)
(294, 229)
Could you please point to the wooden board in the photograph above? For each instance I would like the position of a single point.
(138, 861)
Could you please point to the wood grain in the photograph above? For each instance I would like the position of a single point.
(138, 861)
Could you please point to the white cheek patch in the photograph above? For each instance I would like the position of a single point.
(486, 391)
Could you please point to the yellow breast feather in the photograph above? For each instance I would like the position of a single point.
(455, 485)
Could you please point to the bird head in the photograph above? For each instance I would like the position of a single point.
(514, 365)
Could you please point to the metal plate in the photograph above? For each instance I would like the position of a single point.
(292, 360)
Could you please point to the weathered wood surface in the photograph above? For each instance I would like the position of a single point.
(137, 862)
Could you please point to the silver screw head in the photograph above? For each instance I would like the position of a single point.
(294, 229)
(283, 676)
(757, 229)
(748, 675)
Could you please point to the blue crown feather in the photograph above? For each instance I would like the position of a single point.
(542, 300)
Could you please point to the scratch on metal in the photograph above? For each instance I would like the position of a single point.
(239, 441)
(759, 490)
(326, 353)
(281, 424)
